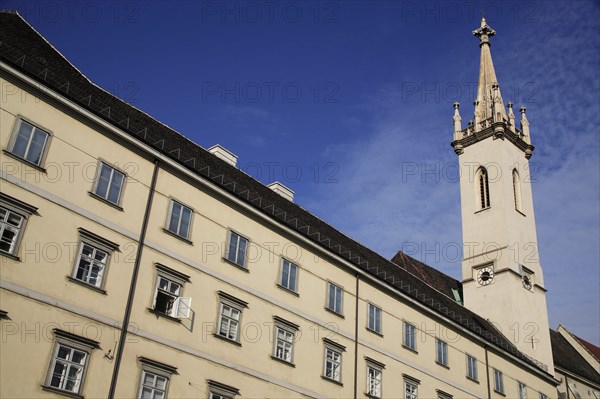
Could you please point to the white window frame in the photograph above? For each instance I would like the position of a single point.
(170, 215)
(441, 352)
(286, 284)
(35, 128)
(374, 380)
(498, 381)
(20, 209)
(97, 244)
(472, 368)
(522, 390)
(230, 302)
(337, 306)
(409, 336)
(217, 390)
(411, 389)
(336, 350)
(234, 257)
(180, 307)
(73, 344)
(158, 370)
(286, 343)
(113, 172)
(374, 318)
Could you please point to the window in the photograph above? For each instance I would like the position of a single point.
(522, 391)
(334, 299)
(517, 190)
(230, 315)
(374, 381)
(92, 259)
(13, 218)
(167, 296)
(441, 352)
(154, 383)
(289, 275)
(484, 188)
(472, 368)
(70, 360)
(236, 251)
(109, 183)
(180, 219)
(332, 367)
(374, 318)
(498, 381)
(410, 390)
(29, 142)
(410, 333)
(284, 339)
(544, 396)
(216, 390)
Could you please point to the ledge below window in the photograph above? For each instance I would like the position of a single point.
(442, 365)
(86, 285)
(244, 268)
(26, 162)
(231, 341)
(166, 316)
(107, 202)
(283, 361)
(10, 256)
(374, 332)
(169, 232)
(61, 392)
(332, 380)
(408, 348)
(287, 290)
(335, 313)
(472, 379)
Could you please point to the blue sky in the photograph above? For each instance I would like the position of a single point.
(349, 103)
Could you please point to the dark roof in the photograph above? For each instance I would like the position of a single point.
(566, 356)
(593, 349)
(433, 277)
(24, 49)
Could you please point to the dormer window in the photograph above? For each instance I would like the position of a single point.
(483, 188)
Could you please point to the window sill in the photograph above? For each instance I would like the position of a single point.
(408, 348)
(26, 162)
(107, 202)
(472, 379)
(61, 392)
(332, 380)
(483, 210)
(374, 332)
(10, 256)
(169, 232)
(500, 393)
(283, 361)
(368, 395)
(231, 341)
(86, 285)
(442, 365)
(244, 268)
(287, 290)
(166, 316)
(335, 313)
(522, 214)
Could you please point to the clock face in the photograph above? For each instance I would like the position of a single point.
(527, 282)
(485, 275)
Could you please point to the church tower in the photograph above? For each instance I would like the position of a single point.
(501, 273)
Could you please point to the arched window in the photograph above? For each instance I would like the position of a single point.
(483, 188)
(517, 190)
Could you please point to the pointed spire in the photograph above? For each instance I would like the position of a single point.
(489, 102)
(511, 117)
(457, 122)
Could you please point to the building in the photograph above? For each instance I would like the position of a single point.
(227, 288)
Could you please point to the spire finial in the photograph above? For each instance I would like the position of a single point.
(484, 32)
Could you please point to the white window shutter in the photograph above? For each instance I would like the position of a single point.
(181, 308)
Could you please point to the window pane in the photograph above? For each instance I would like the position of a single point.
(185, 222)
(22, 139)
(34, 155)
(115, 187)
(103, 181)
(293, 272)
(175, 216)
(14, 219)
(285, 274)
